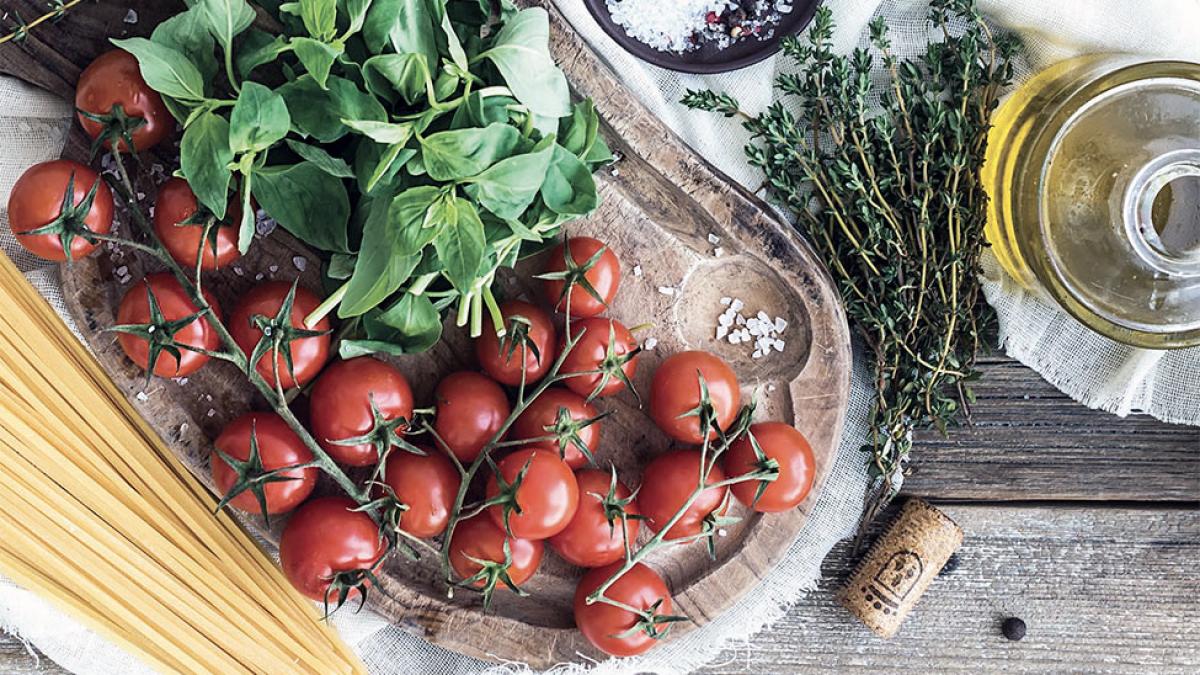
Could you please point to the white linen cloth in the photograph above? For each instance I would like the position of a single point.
(33, 127)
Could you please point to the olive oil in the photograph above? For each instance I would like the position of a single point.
(1093, 170)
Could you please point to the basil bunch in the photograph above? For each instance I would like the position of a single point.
(419, 145)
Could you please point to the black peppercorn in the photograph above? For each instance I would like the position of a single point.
(1013, 628)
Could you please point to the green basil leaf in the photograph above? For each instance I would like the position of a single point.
(258, 48)
(578, 132)
(414, 320)
(259, 119)
(509, 186)
(521, 53)
(569, 188)
(389, 133)
(319, 17)
(226, 19)
(453, 45)
(453, 155)
(381, 268)
(166, 70)
(389, 75)
(461, 245)
(404, 24)
(307, 202)
(480, 111)
(341, 266)
(356, 10)
(317, 57)
(334, 166)
(409, 217)
(204, 158)
(318, 112)
(377, 165)
(599, 154)
(187, 33)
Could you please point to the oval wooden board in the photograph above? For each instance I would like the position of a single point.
(659, 207)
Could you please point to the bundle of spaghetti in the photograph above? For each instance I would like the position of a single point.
(99, 516)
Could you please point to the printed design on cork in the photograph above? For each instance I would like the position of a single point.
(894, 581)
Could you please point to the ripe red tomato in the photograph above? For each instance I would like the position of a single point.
(790, 449)
(308, 353)
(668, 481)
(470, 410)
(675, 390)
(605, 625)
(479, 538)
(604, 277)
(278, 446)
(589, 540)
(541, 418)
(341, 406)
(427, 484)
(174, 304)
(36, 201)
(175, 205)
(502, 357)
(115, 79)
(592, 353)
(324, 542)
(547, 497)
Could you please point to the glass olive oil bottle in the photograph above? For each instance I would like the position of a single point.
(1093, 169)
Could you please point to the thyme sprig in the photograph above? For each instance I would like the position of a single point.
(889, 195)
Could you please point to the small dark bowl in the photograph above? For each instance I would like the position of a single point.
(708, 58)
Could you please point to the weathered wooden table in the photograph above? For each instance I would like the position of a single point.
(1085, 525)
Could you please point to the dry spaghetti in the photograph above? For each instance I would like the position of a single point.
(98, 516)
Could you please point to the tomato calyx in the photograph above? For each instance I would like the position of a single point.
(159, 333)
(713, 524)
(71, 220)
(491, 573)
(391, 511)
(517, 335)
(278, 332)
(384, 434)
(565, 433)
(506, 494)
(252, 476)
(574, 275)
(115, 127)
(649, 621)
(705, 412)
(766, 469)
(344, 582)
(613, 365)
(616, 508)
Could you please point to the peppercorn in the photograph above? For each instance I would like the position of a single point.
(1013, 628)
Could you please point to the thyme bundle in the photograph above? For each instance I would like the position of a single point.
(890, 196)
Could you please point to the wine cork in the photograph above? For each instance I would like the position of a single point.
(898, 569)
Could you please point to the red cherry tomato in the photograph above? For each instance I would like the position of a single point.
(675, 390)
(36, 201)
(174, 207)
(115, 79)
(479, 538)
(502, 357)
(667, 482)
(548, 495)
(591, 353)
(790, 449)
(426, 484)
(604, 277)
(606, 626)
(341, 406)
(308, 353)
(470, 410)
(278, 446)
(541, 418)
(175, 304)
(325, 538)
(589, 540)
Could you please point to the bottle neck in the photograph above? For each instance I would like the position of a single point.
(1162, 213)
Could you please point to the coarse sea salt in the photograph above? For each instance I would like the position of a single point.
(760, 330)
(665, 25)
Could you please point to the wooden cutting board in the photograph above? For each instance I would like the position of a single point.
(660, 204)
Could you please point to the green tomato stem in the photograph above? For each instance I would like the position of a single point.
(327, 306)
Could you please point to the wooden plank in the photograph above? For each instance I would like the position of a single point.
(1102, 590)
(1030, 441)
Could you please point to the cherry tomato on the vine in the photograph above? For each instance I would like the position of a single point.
(794, 456)
(610, 628)
(174, 304)
(426, 485)
(547, 496)
(606, 345)
(278, 446)
(180, 229)
(544, 417)
(528, 345)
(590, 539)
(327, 542)
(668, 481)
(308, 352)
(478, 537)
(603, 277)
(471, 408)
(114, 79)
(341, 408)
(675, 391)
(36, 202)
